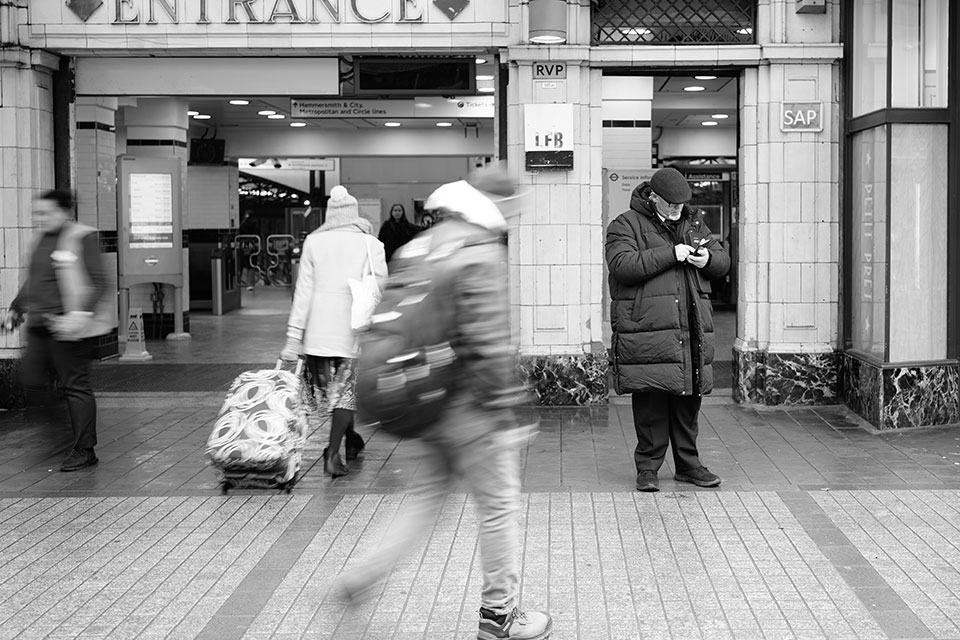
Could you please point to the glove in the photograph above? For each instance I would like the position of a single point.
(682, 251)
(294, 345)
(69, 327)
(699, 259)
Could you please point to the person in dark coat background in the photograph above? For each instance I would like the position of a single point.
(661, 258)
(396, 231)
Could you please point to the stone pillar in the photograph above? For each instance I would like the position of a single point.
(26, 169)
(95, 162)
(154, 128)
(556, 241)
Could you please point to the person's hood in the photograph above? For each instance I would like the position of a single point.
(461, 199)
(640, 202)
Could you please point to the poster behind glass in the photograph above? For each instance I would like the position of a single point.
(151, 211)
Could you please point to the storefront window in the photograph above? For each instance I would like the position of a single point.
(869, 77)
(918, 242)
(868, 300)
(919, 53)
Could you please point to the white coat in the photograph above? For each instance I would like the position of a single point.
(322, 299)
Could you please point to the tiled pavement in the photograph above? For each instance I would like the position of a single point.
(820, 530)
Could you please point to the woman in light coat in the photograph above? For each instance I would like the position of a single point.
(319, 325)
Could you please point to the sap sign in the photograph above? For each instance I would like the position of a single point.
(802, 116)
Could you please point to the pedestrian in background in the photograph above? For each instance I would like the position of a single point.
(661, 258)
(476, 437)
(396, 231)
(319, 325)
(66, 305)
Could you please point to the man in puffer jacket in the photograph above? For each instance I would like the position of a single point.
(661, 257)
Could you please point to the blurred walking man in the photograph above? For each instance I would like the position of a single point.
(476, 438)
(64, 302)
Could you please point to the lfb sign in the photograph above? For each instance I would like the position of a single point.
(802, 116)
(548, 136)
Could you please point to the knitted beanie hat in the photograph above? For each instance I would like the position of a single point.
(341, 207)
(669, 184)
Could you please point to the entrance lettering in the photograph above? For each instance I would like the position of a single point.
(129, 12)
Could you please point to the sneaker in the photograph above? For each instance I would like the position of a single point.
(79, 459)
(515, 625)
(701, 476)
(647, 480)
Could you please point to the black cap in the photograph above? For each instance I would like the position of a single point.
(669, 184)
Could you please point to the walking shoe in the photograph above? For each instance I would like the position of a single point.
(647, 480)
(515, 625)
(701, 476)
(355, 444)
(79, 459)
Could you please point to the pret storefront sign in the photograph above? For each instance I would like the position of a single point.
(548, 136)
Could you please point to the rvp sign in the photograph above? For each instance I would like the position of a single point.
(802, 116)
(549, 70)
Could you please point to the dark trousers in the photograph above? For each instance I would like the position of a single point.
(71, 362)
(664, 418)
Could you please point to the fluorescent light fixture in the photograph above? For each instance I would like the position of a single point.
(298, 124)
(240, 102)
(709, 123)
(444, 124)
(276, 116)
(265, 112)
(705, 77)
(481, 61)
(484, 78)
(192, 113)
(486, 89)
(745, 31)
(202, 116)
(693, 88)
(719, 116)
(423, 105)
(391, 124)
(635, 31)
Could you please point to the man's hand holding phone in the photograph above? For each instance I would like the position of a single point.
(699, 255)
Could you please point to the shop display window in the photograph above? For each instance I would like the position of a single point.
(869, 73)
(919, 60)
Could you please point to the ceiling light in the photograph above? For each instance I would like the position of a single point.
(481, 61)
(483, 78)
(635, 31)
(192, 113)
(745, 31)
(710, 123)
(547, 21)
(202, 116)
(391, 124)
(423, 105)
(276, 116)
(265, 112)
(693, 88)
(240, 102)
(705, 77)
(720, 116)
(298, 124)
(486, 89)
(444, 124)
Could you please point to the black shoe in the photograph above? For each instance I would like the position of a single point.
(79, 459)
(355, 444)
(333, 465)
(647, 480)
(701, 476)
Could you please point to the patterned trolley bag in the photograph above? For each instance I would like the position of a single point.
(258, 438)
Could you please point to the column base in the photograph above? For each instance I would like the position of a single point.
(761, 377)
(891, 397)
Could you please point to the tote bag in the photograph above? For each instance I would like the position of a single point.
(366, 295)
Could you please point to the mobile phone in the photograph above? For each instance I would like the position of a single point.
(697, 245)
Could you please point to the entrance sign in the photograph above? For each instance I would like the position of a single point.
(802, 116)
(548, 136)
(427, 107)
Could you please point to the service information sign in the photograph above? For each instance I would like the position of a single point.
(548, 136)
(427, 107)
(151, 211)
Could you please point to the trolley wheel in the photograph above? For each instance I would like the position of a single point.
(225, 486)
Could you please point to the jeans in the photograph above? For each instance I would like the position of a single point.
(468, 443)
(71, 362)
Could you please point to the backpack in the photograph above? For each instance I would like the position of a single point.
(408, 367)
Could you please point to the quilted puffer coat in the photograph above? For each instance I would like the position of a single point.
(660, 310)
